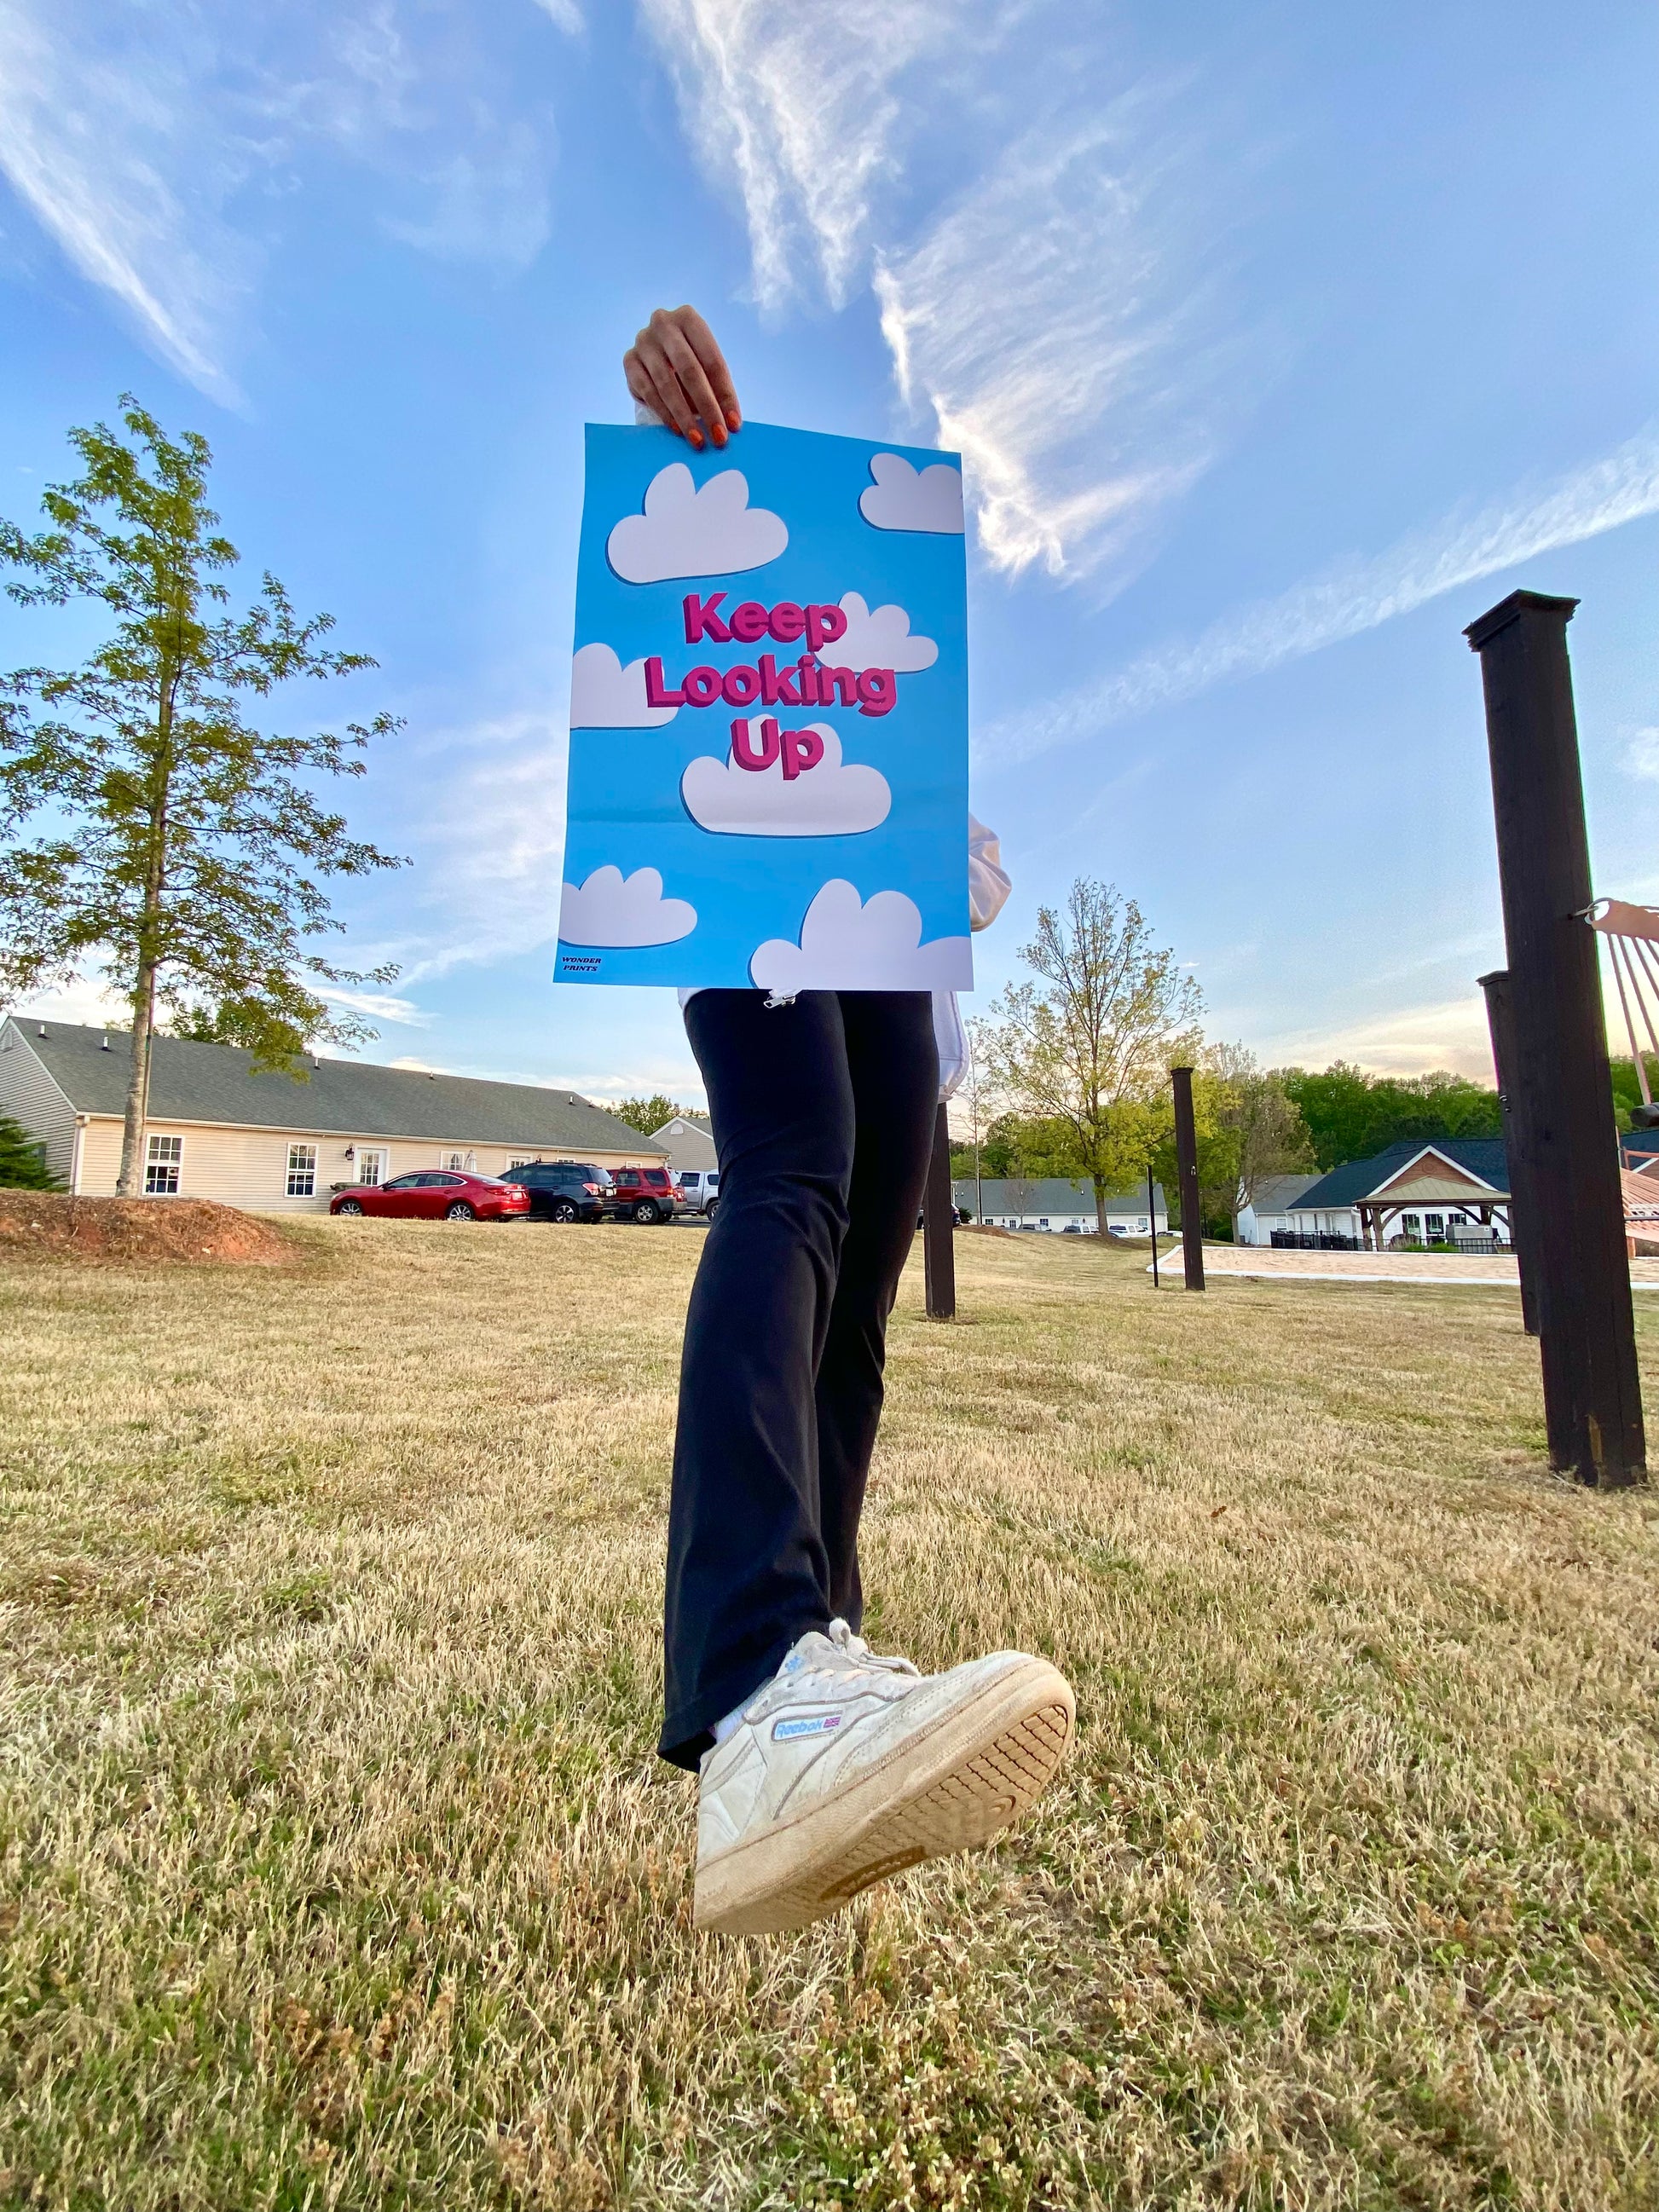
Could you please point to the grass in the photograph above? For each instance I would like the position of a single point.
(335, 1867)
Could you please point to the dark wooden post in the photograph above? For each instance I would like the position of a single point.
(1186, 1136)
(1523, 1205)
(938, 1251)
(1559, 1077)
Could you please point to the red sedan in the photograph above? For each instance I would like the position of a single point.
(436, 1195)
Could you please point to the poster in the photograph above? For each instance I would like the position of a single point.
(768, 716)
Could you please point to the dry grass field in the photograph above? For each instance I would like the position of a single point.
(335, 1867)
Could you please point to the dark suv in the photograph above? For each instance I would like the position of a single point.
(642, 1194)
(564, 1190)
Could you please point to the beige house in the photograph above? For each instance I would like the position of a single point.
(218, 1130)
(688, 1142)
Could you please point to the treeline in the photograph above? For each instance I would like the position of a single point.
(1252, 1122)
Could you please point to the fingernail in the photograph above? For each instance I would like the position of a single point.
(717, 432)
(733, 419)
(696, 436)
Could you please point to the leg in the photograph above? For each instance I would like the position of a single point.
(893, 1062)
(747, 1570)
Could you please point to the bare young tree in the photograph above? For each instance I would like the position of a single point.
(976, 1105)
(1090, 1041)
(1267, 1133)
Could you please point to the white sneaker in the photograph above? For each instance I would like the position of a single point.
(846, 1767)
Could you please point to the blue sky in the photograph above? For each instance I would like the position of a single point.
(1278, 343)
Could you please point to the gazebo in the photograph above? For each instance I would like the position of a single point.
(1421, 1190)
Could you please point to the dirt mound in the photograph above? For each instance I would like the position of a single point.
(47, 1225)
(984, 1229)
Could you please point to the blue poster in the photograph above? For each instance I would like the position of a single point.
(768, 716)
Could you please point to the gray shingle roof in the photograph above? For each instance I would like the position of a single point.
(1277, 1193)
(1356, 1179)
(344, 1098)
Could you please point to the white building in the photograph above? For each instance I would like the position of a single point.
(1062, 1207)
(217, 1129)
(1270, 1209)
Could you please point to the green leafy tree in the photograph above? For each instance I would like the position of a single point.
(172, 841)
(23, 1159)
(1088, 1043)
(648, 1114)
(1627, 1088)
(1350, 1115)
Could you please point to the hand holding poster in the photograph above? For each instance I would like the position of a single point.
(768, 716)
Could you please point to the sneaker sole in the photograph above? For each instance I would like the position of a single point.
(980, 1768)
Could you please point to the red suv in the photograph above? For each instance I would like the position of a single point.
(642, 1194)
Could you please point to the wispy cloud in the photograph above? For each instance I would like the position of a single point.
(1357, 595)
(376, 1005)
(157, 146)
(1056, 321)
(489, 860)
(1448, 1033)
(1058, 317)
(799, 106)
(83, 144)
(1642, 755)
(566, 13)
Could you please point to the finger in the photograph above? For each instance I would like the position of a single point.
(707, 349)
(670, 402)
(695, 383)
(639, 384)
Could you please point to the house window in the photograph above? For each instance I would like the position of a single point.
(302, 1171)
(371, 1165)
(1434, 1225)
(1412, 1224)
(452, 1160)
(162, 1165)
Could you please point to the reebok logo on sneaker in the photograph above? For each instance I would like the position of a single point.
(782, 1731)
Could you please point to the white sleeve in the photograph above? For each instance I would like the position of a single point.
(989, 883)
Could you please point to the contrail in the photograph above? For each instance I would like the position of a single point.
(1358, 596)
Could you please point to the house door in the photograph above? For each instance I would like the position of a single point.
(371, 1165)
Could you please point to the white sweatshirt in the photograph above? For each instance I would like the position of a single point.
(988, 886)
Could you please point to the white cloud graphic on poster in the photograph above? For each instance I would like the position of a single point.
(606, 696)
(905, 498)
(835, 798)
(686, 531)
(612, 910)
(880, 637)
(874, 944)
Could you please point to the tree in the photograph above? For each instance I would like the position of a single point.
(647, 1116)
(23, 1159)
(1253, 1110)
(174, 841)
(1089, 1044)
(1350, 1115)
(972, 1104)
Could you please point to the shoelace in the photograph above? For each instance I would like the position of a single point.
(859, 1652)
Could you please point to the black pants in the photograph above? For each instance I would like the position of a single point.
(823, 1116)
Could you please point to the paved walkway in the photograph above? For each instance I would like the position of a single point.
(1261, 1263)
